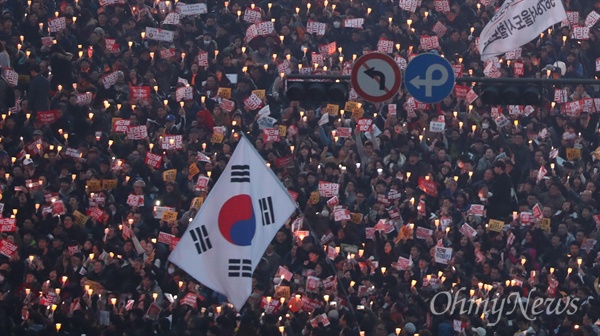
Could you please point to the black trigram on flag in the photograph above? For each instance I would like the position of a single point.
(200, 237)
(240, 268)
(266, 210)
(240, 173)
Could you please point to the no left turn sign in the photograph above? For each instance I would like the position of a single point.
(376, 77)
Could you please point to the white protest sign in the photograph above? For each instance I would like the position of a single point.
(159, 34)
(172, 19)
(192, 9)
(443, 254)
(436, 126)
(266, 122)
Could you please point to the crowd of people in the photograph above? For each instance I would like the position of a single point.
(117, 118)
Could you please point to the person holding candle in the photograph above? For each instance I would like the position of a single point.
(148, 286)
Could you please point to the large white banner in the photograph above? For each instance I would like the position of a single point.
(227, 238)
(516, 23)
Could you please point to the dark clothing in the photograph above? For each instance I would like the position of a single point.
(3, 86)
(499, 203)
(61, 68)
(39, 94)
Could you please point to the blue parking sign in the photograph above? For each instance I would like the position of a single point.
(429, 78)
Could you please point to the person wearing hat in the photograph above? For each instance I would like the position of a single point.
(171, 127)
(37, 134)
(409, 329)
(29, 169)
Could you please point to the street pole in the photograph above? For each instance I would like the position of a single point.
(482, 80)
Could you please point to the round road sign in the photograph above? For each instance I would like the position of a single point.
(376, 77)
(429, 78)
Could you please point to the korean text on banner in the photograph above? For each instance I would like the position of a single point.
(513, 25)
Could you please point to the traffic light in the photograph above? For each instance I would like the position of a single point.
(321, 91)
(511, 95)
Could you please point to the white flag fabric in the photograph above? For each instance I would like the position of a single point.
(516, 23)
(229, 235)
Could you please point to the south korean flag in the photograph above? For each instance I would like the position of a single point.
(227, 238)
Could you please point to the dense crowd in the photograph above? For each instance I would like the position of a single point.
(117, 118)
